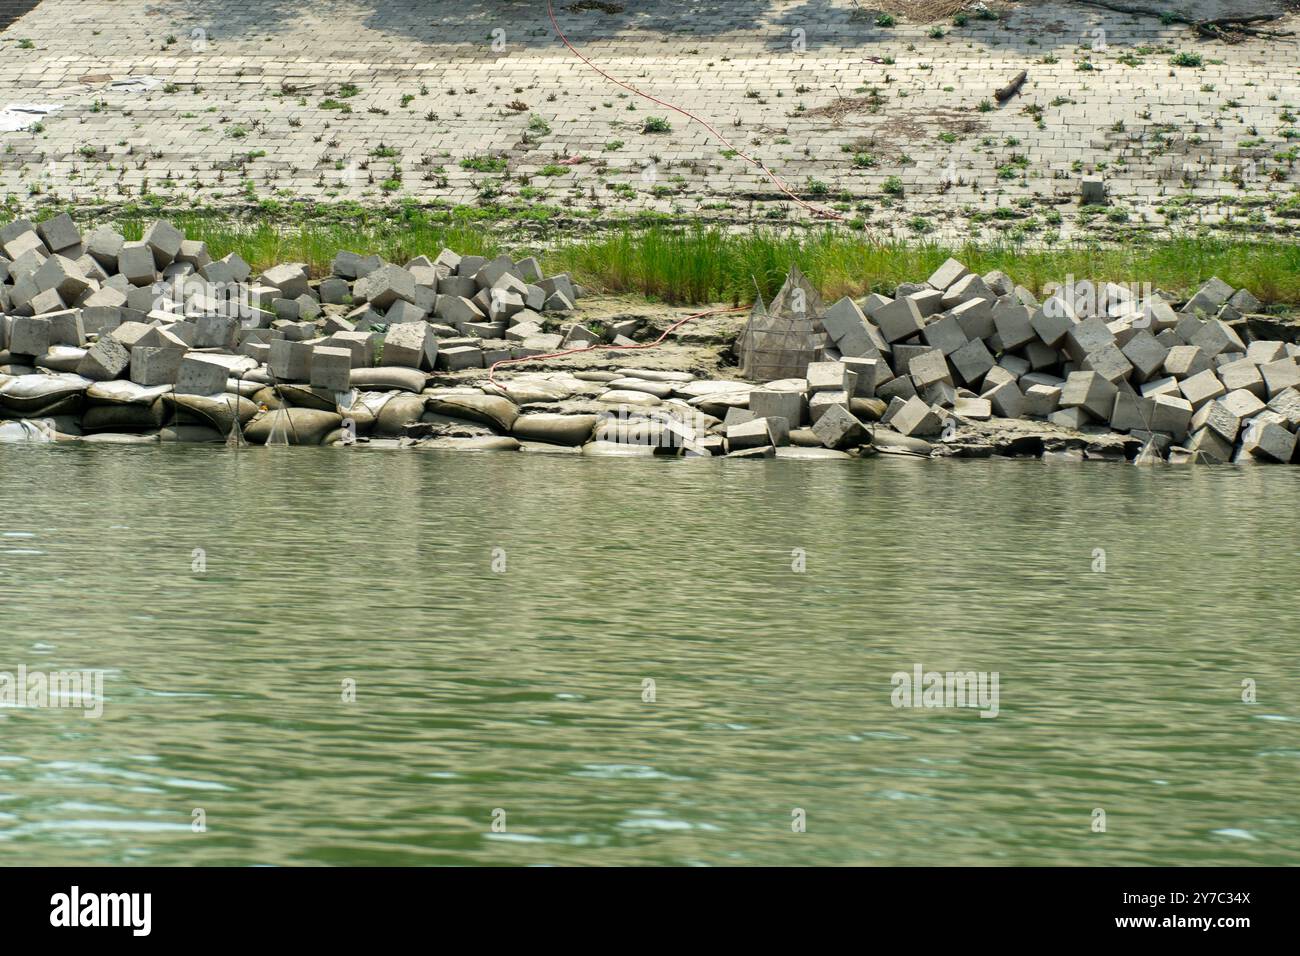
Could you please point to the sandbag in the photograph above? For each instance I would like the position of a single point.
(398, 411)
(493, 410)
(556, 429)
(385, 377)
(300, 426)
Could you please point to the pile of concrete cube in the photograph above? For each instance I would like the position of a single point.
(162, 311)
(1186, 378)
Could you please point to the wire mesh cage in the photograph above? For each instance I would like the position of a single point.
(780, 340)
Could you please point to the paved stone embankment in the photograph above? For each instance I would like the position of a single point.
(224, 104)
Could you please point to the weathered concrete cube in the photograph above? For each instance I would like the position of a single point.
(201, 374)
(1280, 375)
(135, 261)
(1208, 446)
(1132, 412)
(290, 360)
(976, 409)
(1216, 336)
(968, 287)
(945, 334)
(331, 368)
(59, 233)
(899, 320)
(156, 366)
(819, 402)
(1109, 362)
(164, 241)
(1007, 399)
(917, 418)
(1012, 323)
(216, 332)
(411, 345)
(1172, 414)
(1242, 374)
(830, 377)
(838, 428)
(1184, 361)
(928, 368)
(1090, 335)
(1053, 319)
(1201, 388)
(947, 274)
(1091, 392)
(1209, 298)
(1273, 442)
(771, 403)
(1242, 403)
(105, 360)
(975, 316)
(1217, 417)
(1146, 355)
(843, 318)
(457, 357)
(972, 362)
(1041, 400)
(290, 278)
(868, 372)
(29, 335)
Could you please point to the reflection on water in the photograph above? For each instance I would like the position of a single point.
(525, 690)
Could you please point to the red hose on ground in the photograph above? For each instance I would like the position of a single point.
(780, 184)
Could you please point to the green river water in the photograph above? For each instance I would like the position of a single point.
(501, 615)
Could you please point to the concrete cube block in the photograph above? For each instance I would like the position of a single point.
(975, 316)
(928, 368)
(830, 377)
(457, 357)
(331, 368)
(1052, 320)
(59, 233)
(1273, 442)
(818, 402)
(29, 335)
(1201, 388)
(972, 362)
(1109, 362)
(201, 374)
(411, 345)
(771, 403)
(151, 365)
(1242, 373)
(947, 274)
(1218, 418)
(867, 371)
(1090, 335)
(1184, 361)
(135, 261)
(1209, 298)
(1131, 412)
(838, 428)
(1209, 447)
(1041, 400)
(1012, 323)
(290, 278)
(216, 332)
(1216, 336)
(105, 360)
(917, 418)
(164, 241)
(1242, 403)
(1280, 375)
(945, 334)
(1091, 392)
(1145, 354)
(1006, 398)
(1171, 414)
(899, 320)
(290, 360)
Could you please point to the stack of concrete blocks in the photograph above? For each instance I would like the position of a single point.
(973, 347)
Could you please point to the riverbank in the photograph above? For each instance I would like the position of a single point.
(117, 340)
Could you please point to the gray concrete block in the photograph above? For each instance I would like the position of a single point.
(164, 241)
(1109, 362)
(135, 261)
(59, 233)
(290, 360)
(1280, 375)
(105, 360)
(1091, 392)
(947, 274)
(29, 335)
(1243, 373)
(830, 377)
(1215, 337)
(928, 368)
(1146, 355)
(331, 368)
(838, 428)
(819, 402)
(899, 320)
(457, 357)
(201, 374)
(290, 278)
(411, 345)
(771, 403)
(975, 316)
(1184, 361)
(1011, 321)
(1201, 388)
(945, 334)
(1171, 414)
(916, 418)
(155, 366)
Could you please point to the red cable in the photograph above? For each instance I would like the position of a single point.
(780, 184)
(607, 348)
